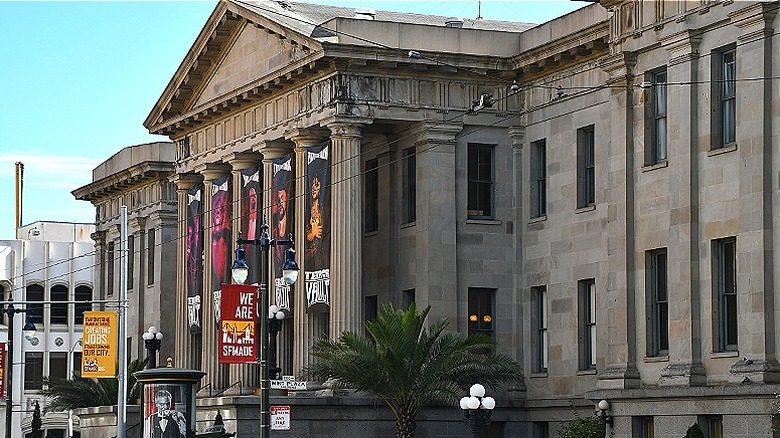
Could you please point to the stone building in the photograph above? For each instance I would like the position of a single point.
(597, 192)
(137, 176)
(50, 261)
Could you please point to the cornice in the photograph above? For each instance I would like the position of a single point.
(135, 176)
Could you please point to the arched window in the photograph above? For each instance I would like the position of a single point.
(59, 312)
(83, 293)
(35, 293)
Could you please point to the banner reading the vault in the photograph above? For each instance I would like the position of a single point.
(282, 225)
(194, 259)
(317, 244)
(251, 219)
(220, 232)
(237, 328)
(98, 349)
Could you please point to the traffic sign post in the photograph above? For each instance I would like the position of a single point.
(280, 417)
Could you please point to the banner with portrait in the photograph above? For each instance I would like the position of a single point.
(166, 410)
(282, 224)
(237, 328)
(221, 217)
(251, 219)
(317, 229)
(194, 257)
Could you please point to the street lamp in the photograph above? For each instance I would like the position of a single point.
(240, 272)
(152, 341)
(275, 318)
(603, 406)
(477, 409)
(29, 332)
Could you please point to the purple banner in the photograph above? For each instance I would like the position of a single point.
(251, 218)
(194, 257)
(317, 245)
(282, 215)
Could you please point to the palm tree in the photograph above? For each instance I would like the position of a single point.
(84, 393)
(408, 366)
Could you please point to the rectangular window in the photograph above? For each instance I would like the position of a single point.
(538, 178)
(58, 364)
(480, 181)
(371, 307)
(77, 363)
(481, 311)
(83, 294)
(372, 196)
(658, 303)
(409, 182)
(726, 111)
(407, 297)
(541, 429)
(724, 271)
(110, 263)
(35, 293)
(539, 303)
(33, 370)
(712, 425)
(130, 260)
(655, 152)
(643, 427)
(586, 166)
(587, 292)
(59, 311)
(150, 248)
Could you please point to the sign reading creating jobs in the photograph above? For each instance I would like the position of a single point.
(237, 328)
(98, 350)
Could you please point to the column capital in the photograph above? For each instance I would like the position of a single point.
(517, 134)
(137, 224)
(344, 127)
(432, 132)
(306, 137)
(186, 181)
(755, 21)
(682, 46)
(273, 149)
(619, 66)
(243, 160)
(212, 171)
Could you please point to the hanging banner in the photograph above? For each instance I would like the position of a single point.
(250, 218)
(282, 225)
(237, 328)
(194, 259)
(2, 369)
(317, 245)
(221, 238)
(98, 348)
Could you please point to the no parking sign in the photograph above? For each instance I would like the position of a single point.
(280, 418)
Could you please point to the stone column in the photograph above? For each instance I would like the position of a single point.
(247, 374)
(436, 224)
(684, 288)
(755, 261)
(618, 301)
(183, 342)
(136, 225)
(517, 135)
(209, 355)
(346, 230)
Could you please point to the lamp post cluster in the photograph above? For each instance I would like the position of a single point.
(29, 333)
(152, 342)
(240, 272)
(276, 316)
(477, 409)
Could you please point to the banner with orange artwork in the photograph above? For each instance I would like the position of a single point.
(98, 349)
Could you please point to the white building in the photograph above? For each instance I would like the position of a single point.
(51, 261)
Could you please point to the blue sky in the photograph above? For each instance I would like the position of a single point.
(79, 78)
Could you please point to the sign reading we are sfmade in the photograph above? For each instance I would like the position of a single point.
(237, 328)
(98, 350)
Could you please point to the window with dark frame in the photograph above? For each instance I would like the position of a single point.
(83, 294)
(480, 181)
(656, 150)
(724, 270)
(711, 425)
(539, 321)
(481, 304)
(34, 292)
(587, 292)
(409, 183)
(59, 311)
(372, 196)
(658, 292)
(371, 307)
(541, 429)
(33, 370)
(76, 363)
(586, 167)
(130, 260)
(58, 364)
(110, 263)
(407, 297)
(643, 427)
(727, 94)
(538, 178)
(150, 247)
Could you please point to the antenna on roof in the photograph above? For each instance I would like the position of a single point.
(479, 10)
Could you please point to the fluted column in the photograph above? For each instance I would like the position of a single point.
(182, 342)
(346, 230)
(517, 135)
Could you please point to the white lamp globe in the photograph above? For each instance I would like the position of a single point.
(280, 315)
(603, 405)
(477, 390)
(472, 403)
(158, 336)
(488, 403)
(464, 403)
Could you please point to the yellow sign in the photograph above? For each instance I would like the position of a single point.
(98, 349)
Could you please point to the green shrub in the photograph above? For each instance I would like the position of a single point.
(694, 432)
(583, 427)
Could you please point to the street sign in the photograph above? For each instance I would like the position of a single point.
(290, 385)
(280, 418)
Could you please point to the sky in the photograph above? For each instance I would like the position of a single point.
(77, 80)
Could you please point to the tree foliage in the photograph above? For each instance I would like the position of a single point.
(694, 431)
(407, 366)
(67, 394)
(37, 422)
(583, 427)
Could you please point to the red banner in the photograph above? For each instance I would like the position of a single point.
(2, 369)
(237, 328)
